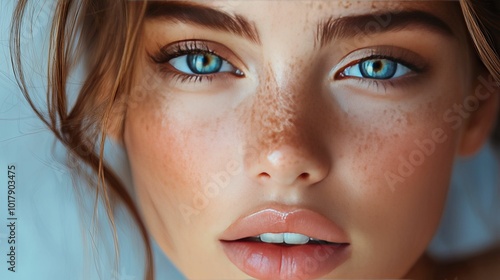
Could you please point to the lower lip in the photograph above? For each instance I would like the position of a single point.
(274, 261)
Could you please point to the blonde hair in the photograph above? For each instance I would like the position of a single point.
(106, 32)
(482, 18)
(106, 29)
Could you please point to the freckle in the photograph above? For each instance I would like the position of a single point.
(273, 112)
(345, 4)
(409, 120)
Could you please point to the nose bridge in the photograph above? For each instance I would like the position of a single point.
(277, 111)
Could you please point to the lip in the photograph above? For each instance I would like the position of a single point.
(275, 261)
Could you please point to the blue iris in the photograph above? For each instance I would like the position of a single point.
(381, 69)
(204, 63)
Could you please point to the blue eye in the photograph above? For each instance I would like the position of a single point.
(202, 63)
(377, 69)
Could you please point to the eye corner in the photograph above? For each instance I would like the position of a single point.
(239, 73)
(340, 74)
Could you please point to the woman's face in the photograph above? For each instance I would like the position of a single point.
(327, 127)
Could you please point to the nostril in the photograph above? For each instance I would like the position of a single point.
(304, 176)
(264, 175)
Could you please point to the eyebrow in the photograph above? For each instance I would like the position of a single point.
(203, 16)
(327, 30)
(362, 25)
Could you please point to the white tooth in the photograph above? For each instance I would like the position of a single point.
(295, 238)
(272, 237)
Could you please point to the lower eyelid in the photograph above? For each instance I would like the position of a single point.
(173, 76)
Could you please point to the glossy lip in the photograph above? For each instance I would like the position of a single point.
(276, 261)
(275, 220)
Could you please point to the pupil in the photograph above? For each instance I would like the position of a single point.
(377, 66)
(205, 60)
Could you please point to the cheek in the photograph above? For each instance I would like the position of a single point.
(404, 147)
(395, 165)
(404, 177)
(151, 155)
(173, 156)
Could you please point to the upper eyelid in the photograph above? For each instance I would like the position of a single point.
(375, 57)
(177, 49)
(164, 52)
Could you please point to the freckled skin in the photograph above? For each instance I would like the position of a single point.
(297, 137)
(274, 113)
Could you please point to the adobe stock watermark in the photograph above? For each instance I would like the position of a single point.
(455, 116)
(147, 87)
(371, 29)
(218, 182)
(122, 275)
(321, 254)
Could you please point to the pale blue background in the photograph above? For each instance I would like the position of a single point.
(52, 221)
(49, 227)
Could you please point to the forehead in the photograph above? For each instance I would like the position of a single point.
(318, 8)
(299, 16)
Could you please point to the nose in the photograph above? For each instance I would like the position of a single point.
(288, 140)
(290, 166)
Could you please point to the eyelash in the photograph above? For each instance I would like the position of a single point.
(407, 64)
(397, 55)
(167, 53)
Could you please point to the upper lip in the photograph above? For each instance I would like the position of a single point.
(280, 219)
